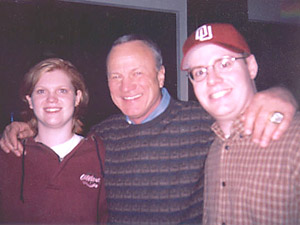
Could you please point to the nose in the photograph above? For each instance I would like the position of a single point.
(213, 77)
(52, 97)
(128, 84)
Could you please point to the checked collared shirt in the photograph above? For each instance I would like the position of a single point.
(247, 184)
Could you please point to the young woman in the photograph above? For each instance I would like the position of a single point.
(61, 178)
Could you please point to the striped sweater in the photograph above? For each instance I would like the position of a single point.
(155, 171)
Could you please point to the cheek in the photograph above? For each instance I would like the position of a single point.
(199, 91)
(30, 104)
(113, 94)
(34, 103)
(112, 89)
(70, 101)
(148, 85)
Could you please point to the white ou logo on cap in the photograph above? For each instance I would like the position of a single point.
(203, 33)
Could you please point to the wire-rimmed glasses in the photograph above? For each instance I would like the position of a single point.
(221, 65)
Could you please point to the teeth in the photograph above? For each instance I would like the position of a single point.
(219, 94)
(132, 97)
(52, 109)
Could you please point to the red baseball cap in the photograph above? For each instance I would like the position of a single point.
(222, 34)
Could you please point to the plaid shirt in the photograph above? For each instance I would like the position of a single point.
(247, 184)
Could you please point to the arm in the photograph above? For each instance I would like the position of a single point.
(256, 117)
(10, 142)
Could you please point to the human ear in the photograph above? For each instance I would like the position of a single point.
(161, 76)
(252, 66)
(29, 100)
(78, 97)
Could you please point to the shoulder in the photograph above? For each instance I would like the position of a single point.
(289, 143)
(111, 123)
(92, 137)
(296, 119)
(294, 129)
(191, 110)
(184, 104)
(91, 148)
(295, 125)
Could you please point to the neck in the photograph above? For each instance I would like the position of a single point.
(225, 127)
(52, 137)
(140, 120)
(225, 122)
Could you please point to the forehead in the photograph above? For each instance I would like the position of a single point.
(204, 53)
(135, 50)
(58, 77)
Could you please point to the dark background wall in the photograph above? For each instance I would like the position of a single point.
(33, 30)
(275, 45)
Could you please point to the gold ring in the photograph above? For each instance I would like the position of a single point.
(276, 117)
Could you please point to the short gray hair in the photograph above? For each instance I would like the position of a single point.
(147, 41)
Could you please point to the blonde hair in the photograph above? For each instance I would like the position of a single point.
(32, 77)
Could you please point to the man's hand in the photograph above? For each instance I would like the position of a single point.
(265, 103)
(10, 141)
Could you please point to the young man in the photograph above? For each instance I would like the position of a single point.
(155, 149)
(244, 184)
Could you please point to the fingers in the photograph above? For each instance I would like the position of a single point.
(262, 130)
(25, 133)
(249, 118)
(273, 131)
(283, 126)
(257, 116)
(4, 146)
(10, 135)
(8, 147)
(266, 136)
(9, 141)
(19, 150)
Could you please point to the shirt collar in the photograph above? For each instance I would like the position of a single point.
(164, 102)
(237, 128)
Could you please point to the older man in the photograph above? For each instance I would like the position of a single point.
(155, 149)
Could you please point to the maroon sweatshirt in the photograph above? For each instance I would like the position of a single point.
(38, 188)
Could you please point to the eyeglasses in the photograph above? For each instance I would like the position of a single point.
(222, 65)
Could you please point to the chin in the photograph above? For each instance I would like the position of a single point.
(220, 114)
